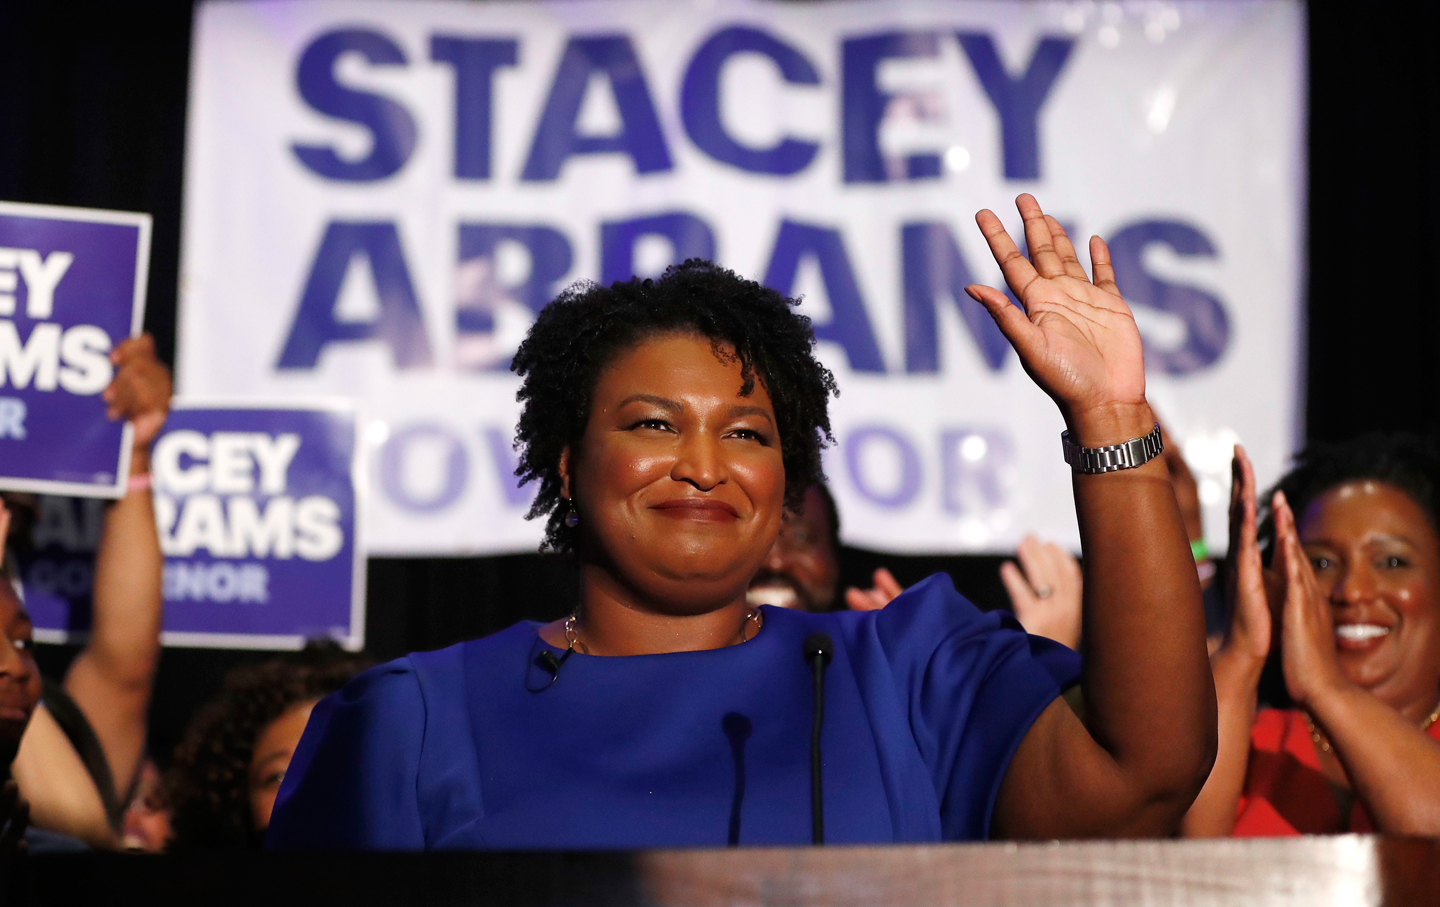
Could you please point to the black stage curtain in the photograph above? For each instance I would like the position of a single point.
(92, 112)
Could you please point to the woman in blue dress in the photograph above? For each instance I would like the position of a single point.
(668, 423)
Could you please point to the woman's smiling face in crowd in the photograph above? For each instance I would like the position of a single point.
(1376, 556)
(678, 481)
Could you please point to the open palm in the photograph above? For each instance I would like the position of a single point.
(1076, 338)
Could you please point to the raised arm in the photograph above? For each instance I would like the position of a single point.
(1393, 766)
(1148, 740)
(112, 676)
(1237, 663)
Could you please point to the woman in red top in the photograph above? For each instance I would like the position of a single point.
(1355, 583)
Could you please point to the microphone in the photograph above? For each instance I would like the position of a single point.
(819, 649)
(538, 681)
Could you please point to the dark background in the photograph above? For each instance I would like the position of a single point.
(92, 113)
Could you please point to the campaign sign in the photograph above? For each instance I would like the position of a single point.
(256, 509)
(72, 286)
(255, 506)
(57, 568)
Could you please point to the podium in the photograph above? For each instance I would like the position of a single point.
(1348, 870)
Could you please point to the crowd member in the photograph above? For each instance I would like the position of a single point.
(1044, 581)
(1353, 608)
(803, 567)
(669, 422)
(1045, 590)
(228, 768)
(19, 695)
(84, 743)
(145, 827)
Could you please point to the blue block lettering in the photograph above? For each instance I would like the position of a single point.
(864, 103)
(549, 250)
(503, 453)
(974, 466)
(392, 128)
(475, 61)
(1017, 101)
(850, 324)
(689, 237)
(700, 101)
(556, 138)
(394, 456)
(1207, 328)
(933, 265)
(398, 325)
(907, 484)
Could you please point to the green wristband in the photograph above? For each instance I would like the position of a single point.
(1199, 551)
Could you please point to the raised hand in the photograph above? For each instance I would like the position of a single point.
(140, 390)
(877, 596)
(1075, 338)
(1046, 595)
(1250, 622)
(1307, 643)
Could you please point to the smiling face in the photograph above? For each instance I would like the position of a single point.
(1376, 556)
(802, 568)
(19, 677)
(678, 480)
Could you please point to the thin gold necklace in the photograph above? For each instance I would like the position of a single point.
(1322, 743)
(573, 642)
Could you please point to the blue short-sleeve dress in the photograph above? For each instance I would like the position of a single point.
(473, 747)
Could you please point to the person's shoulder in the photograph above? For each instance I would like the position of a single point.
(450, 661)
(929, 611)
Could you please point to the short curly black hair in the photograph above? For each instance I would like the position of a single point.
(587, 326)
(1407, 461)
(208, 786)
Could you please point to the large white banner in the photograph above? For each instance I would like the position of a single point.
(380, 194)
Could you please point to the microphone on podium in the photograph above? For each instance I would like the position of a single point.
(819, 649)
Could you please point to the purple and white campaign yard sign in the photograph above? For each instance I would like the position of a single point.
(72, 286)
(256, 511)
(255, 506)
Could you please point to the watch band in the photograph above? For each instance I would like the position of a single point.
(1126, 455)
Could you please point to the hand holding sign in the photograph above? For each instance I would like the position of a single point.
(1075, 338)
(140, 391)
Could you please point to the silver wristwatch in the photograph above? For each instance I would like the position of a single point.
(1126, 455)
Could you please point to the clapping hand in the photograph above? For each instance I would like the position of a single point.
(1307, 643)
(1075, 338)
(1045, 590)
(1251, 618)
(877, 596)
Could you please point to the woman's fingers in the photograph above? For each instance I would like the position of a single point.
(873, 599)
(1100, 266)
(1016, 586)
(1038, 238)
(1013, 322)
(1018, 271)
(1066, 250)
(887, 585)
(863, 600)
(1031, 555)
